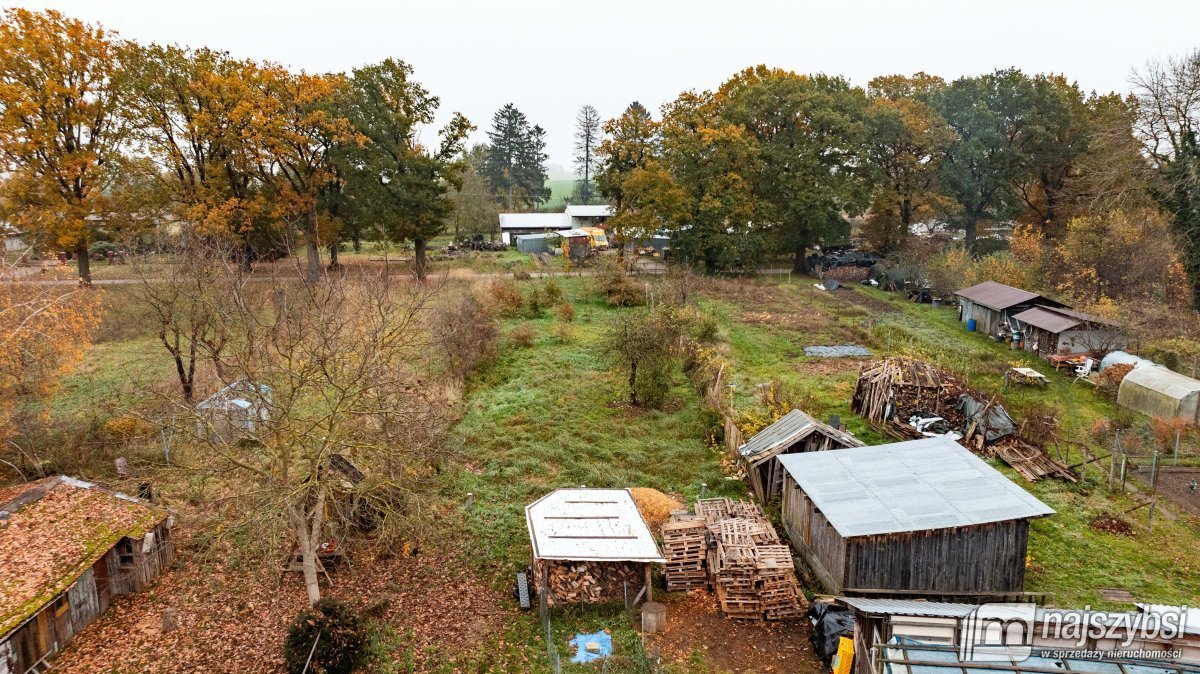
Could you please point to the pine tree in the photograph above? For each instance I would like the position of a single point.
(587, 138)
(516, 159)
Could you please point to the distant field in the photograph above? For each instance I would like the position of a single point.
(560, 191)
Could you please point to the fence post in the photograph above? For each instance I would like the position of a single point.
(1154, 471)
(1175, 461)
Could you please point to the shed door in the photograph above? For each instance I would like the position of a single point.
(100, 576)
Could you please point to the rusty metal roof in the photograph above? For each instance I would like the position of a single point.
(1056, 320)
(996, 295)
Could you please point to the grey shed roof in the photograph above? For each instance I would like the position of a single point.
(790, 426)
(590, 525)
(919, 485)
(996, 295)
(909, 607)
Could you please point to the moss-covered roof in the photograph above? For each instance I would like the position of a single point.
(53, 530)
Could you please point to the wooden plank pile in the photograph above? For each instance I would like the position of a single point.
(1032, 463)
(585, 582)
(741, 557)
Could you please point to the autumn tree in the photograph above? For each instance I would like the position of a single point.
(706, 184)
(476, 212)
(644, 346)
(349, 426)
(393, 183)
(587, 141)
(1053, 140)
(906, 143)
(809, 134)
(631, 175)
(193, 112)
(45, 330)
(516, 160)
(62, 85)
(296, 130)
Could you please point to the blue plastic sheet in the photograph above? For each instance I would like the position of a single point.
(580, 642)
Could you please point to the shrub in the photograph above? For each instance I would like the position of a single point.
(552, 291)
(466, 333)
(507, 297)
(565, 312)
(340, 636)
(535, 303)
(522, 336)
(1109, 381)
(645, 347)
(618, 287)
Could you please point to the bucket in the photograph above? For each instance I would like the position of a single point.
(971, 323)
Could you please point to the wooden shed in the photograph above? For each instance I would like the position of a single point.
(67, 547)
(923, 517)
(1059, 331)
(990, 304)
(793, 432)
(590, 545)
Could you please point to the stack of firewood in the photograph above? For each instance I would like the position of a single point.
(743, 559)
(582, 582)
(683, 542)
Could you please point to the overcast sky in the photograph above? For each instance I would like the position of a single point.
(549, 58)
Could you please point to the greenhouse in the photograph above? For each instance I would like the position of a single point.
(1159, 392)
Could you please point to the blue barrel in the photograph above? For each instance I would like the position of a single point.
(971, 325)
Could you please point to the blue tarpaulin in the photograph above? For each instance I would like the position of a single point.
(580, 642)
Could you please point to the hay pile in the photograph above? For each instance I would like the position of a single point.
(655, 506)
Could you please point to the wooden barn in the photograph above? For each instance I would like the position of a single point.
(989, 304)
(794, 432)
(67, 548)
(590, 545)
(923, 517)
(1059, 331)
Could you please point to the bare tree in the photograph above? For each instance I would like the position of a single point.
(1168, 104)
(587, 140)
(347, 425)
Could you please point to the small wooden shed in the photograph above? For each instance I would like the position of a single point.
(590, 545)
(1059, 331)
(793, 432)
(990, 304)
(67, 547)
(918, 517)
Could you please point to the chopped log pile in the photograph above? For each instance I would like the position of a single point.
(580, 582)
(892, 390)
(732, 547)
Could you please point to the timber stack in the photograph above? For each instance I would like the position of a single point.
(587, 582)
(743, 559)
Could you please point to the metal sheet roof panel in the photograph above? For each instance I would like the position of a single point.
(996, 295)
(590, 525)
(933, 483)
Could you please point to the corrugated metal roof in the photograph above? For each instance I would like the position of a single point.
(919, 485)
(1050, 321)
(1192, 623)
(1158, 378)
(787, 429)
(996, 295)
(533, 237)
(925, 609)
(590, 525)
(592, 211)
(573, 233)
(534, 220)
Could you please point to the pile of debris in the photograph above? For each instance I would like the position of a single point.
(907, 398)
(588, 582)
(732, 547)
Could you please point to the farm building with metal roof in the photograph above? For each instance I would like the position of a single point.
(918, 517)
(793, 432)
(1055, 330)
(989, 304)
(1160, 392)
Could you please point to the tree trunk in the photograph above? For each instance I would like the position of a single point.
(334, 264)
(969, 228)
(84, 263)
(313, 273)
(633, 383)
(798, 259)
(419, 259)
(308, 538)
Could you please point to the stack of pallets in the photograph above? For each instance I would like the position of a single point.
(683, 541)
(741, 557)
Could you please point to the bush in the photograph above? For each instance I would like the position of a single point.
(466, 333)
(522, 336)
(552, 291)
(1109, 381)
(616, 285)
(507, 297)
(340, 636)
(535, 304)
(565, 312)
(645, 347)
(101, 248)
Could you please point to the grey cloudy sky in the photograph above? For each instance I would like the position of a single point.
(551, 57)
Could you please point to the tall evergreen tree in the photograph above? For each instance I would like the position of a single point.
(516, 160)
(587, 140)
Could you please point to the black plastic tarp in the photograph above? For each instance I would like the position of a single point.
(830, 622)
